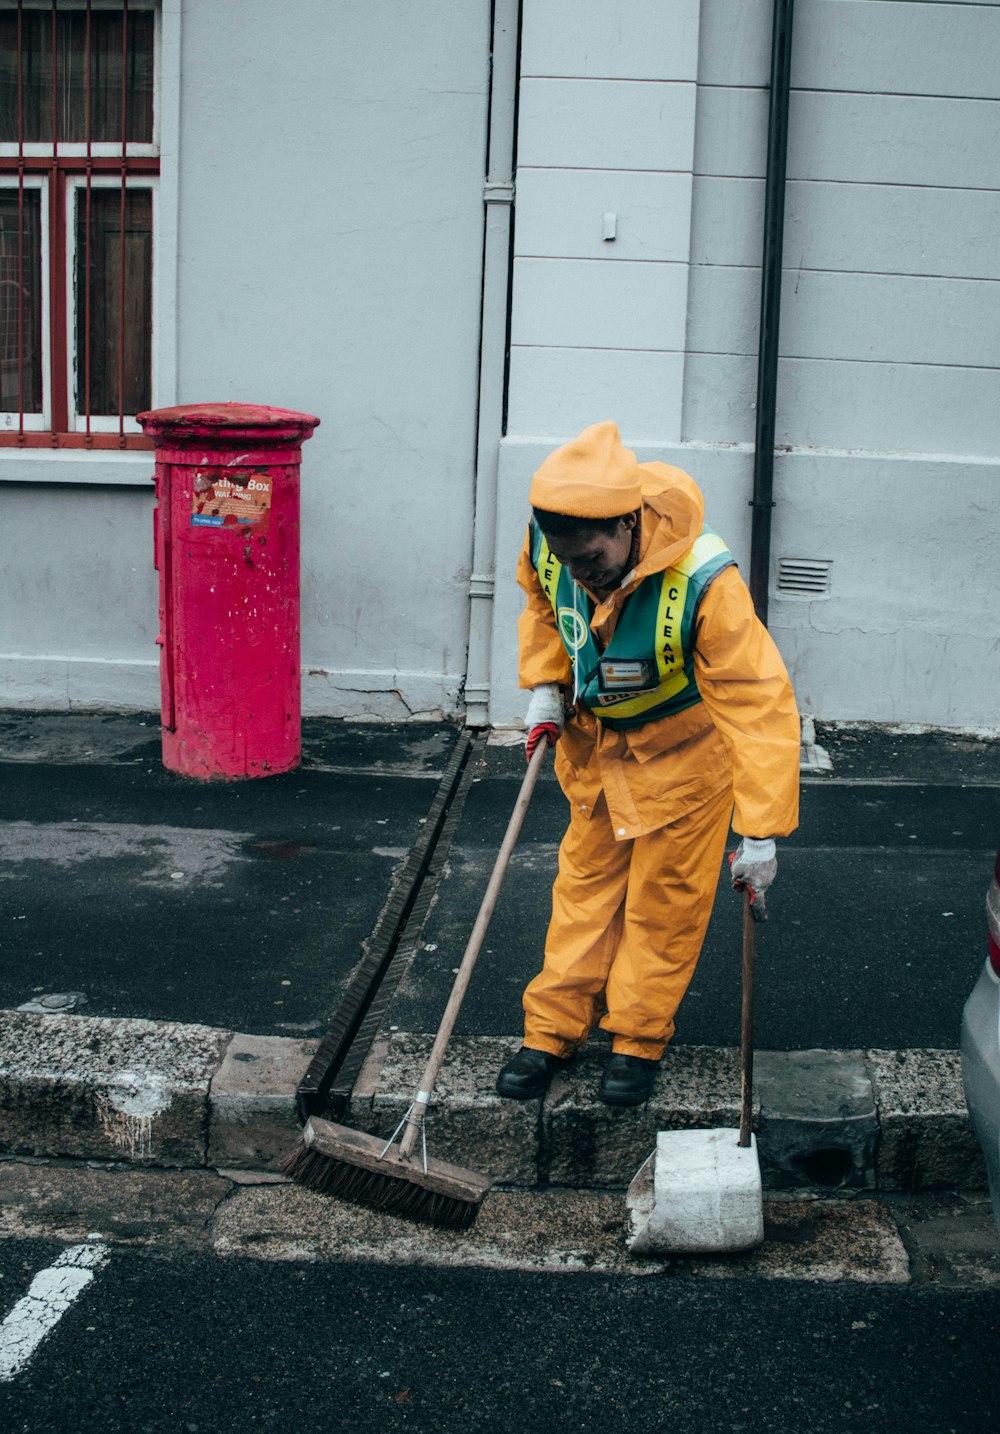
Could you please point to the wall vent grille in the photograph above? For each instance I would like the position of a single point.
(804, 577)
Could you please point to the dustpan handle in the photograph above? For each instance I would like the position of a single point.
(468, 962)
(746, 1027)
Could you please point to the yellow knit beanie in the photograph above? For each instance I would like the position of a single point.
(593, 476)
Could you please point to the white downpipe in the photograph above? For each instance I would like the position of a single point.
(499, 199)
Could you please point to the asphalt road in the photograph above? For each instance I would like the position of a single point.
(203, 1345)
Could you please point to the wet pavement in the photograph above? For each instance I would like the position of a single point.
(239, 905)
(875, 934)
(248, 905)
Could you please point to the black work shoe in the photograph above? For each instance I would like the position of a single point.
(627, 1080)
(527, 1074)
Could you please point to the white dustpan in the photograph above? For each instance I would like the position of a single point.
(701, 1191)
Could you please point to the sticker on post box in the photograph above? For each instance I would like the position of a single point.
(231, 498)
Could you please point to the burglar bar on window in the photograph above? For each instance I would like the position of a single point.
(78, 167)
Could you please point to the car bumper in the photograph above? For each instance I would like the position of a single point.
(981, 1073)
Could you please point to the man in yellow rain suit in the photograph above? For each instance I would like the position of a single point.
(673, 713)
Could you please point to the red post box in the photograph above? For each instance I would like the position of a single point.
(226, 536)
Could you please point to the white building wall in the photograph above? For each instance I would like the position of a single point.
(78, 613)
(606, 126)
(320, 229)
(888, 393)
(331, 246)
(328, 161)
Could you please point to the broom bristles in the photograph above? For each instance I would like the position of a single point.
(377, 1190)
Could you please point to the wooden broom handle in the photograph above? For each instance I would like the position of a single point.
(746, 1028)
(465, 969)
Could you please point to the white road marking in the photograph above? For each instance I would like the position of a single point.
(52, 1292)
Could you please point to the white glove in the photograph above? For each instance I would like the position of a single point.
(546, 705)
(544, 717)
(755, 865)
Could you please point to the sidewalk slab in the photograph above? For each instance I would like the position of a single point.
(138, 1205)
(824, 1240)
(910, 752)
(329, 744)
(926, 1141)
(589, 1144)
(819, 1124)
(468, 1124)
(106, 1090)
(253, 1119)
(561, 1232)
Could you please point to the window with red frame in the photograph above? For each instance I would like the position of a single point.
(78, 164)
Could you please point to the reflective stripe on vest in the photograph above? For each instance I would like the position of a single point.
(647, 669)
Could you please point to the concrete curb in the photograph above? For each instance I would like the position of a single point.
(886, 1120)
(147, 1092)
(150, 1093)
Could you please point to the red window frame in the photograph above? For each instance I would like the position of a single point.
(57, 169)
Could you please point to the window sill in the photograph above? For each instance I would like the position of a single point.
(56, 442)
(131, 467)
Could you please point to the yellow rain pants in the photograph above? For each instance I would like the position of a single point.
(628, 921)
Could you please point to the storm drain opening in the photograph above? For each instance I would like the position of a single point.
(805, 577)
(829, 1169)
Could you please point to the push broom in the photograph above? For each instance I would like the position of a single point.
(393, 1175)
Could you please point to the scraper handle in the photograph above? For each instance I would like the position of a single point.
(746, 1030)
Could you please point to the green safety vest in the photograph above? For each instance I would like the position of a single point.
(647, 669)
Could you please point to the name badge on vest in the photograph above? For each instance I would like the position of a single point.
(632, 675)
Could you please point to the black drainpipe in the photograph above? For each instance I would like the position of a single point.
(770, 305)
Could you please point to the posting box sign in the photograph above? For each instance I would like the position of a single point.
(231, 498)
